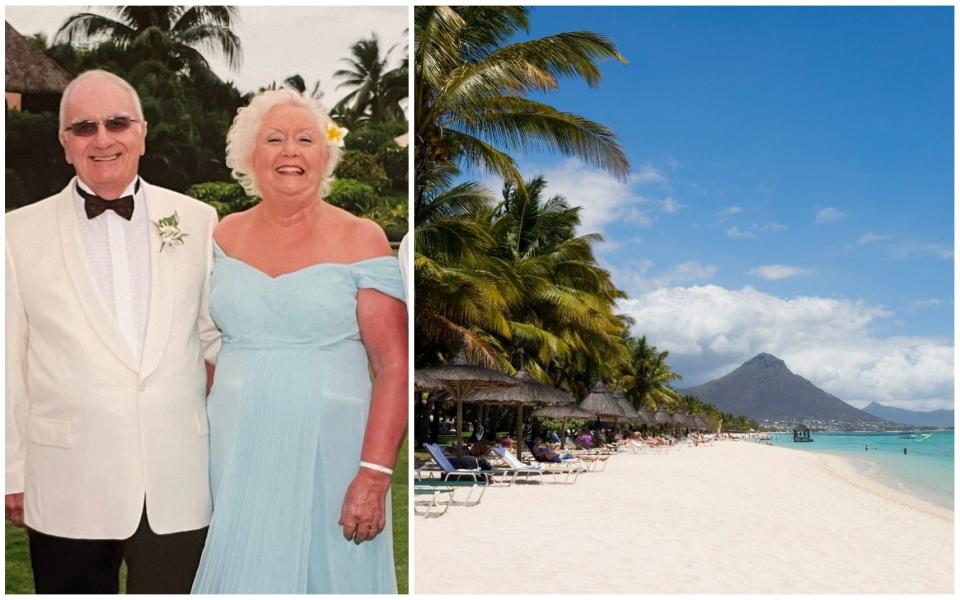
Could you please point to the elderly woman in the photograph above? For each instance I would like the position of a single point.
(301, 445)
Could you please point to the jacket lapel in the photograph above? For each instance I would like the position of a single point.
(162, 280)
(78, 270)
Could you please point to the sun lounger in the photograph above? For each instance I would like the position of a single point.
(430, 501)
(515, 467)
(451, 489)
(453, 473)
(569, 468)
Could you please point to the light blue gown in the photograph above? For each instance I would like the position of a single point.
(287, 415)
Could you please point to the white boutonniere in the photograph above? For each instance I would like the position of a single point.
(335, 135)
(168, 228)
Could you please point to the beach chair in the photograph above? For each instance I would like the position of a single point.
(569, 468)
(452, 477)
(430, 501)
(450, 472)
(514, 467)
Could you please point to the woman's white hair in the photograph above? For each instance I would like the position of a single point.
(241, 139)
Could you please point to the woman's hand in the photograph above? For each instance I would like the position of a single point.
(363, 515)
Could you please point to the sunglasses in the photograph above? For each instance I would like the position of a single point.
(114, 124)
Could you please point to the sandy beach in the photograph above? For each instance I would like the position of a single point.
(735, 517)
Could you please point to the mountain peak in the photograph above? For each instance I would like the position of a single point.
(766, 360)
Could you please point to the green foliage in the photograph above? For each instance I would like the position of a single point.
(559, 425)
(35, 166)
(391, 214)
(371, 138)
(395, 165)
(360, 199)
(401, 525)
(352, 195)
(226, 197)
(363, 167)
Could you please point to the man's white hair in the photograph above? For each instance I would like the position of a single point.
(138, 109)
(241, 139)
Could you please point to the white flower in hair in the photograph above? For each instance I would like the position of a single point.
(335, 134)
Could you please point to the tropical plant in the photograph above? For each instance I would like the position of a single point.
(471, 88)
(563, 317)
(647, 376)
(462, 291)
(377, 90)
(174, 34)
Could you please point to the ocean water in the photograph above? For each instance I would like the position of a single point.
(926, 470)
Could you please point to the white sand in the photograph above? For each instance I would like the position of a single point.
(735, 517)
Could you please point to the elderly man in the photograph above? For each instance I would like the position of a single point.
(107, 332)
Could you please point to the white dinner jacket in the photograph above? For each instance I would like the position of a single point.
(91, 433)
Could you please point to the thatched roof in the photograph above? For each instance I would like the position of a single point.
(30, 71)
(527, 391)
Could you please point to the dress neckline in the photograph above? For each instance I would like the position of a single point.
(301, 269)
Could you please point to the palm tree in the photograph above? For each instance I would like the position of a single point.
(647, 376)
(460, 288)
(377, 91)
(173, 34)
(563, 317)
(470, 88)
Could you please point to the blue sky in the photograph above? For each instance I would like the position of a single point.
(792, 188)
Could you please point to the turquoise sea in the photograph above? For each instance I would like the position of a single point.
(926, 470)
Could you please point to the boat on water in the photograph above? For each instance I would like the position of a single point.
(920, 437)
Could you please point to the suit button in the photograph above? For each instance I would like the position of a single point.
(142, 388)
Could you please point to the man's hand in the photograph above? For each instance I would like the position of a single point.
(363, 514)
(15, 509)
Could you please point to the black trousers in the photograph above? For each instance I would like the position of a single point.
(156, 564)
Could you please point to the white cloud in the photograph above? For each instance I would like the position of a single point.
(774, 272)
(648, 174)
(928, 303)
(637, 278)
(870, 237)
(670, 206)
(903, 250)
(828, 215)
(729, 211)
(736, 232)
(710, 330)
(773, 226)
(602, 198)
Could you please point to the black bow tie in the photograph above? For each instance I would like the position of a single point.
(94, 205)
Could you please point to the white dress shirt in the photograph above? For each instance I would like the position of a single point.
(118, 252)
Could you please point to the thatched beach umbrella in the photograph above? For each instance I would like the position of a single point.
(679, 418)
(422, 383)
(459, 378)
(629, 412)
(601, 403)
(645, 415)
(662, 417)
(562, 412)
(700, 422)
(527, 391)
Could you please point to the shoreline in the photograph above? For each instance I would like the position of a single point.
(735, 517)
(842, 466)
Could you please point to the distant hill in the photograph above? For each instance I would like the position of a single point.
(934, 418)
(764, 389)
